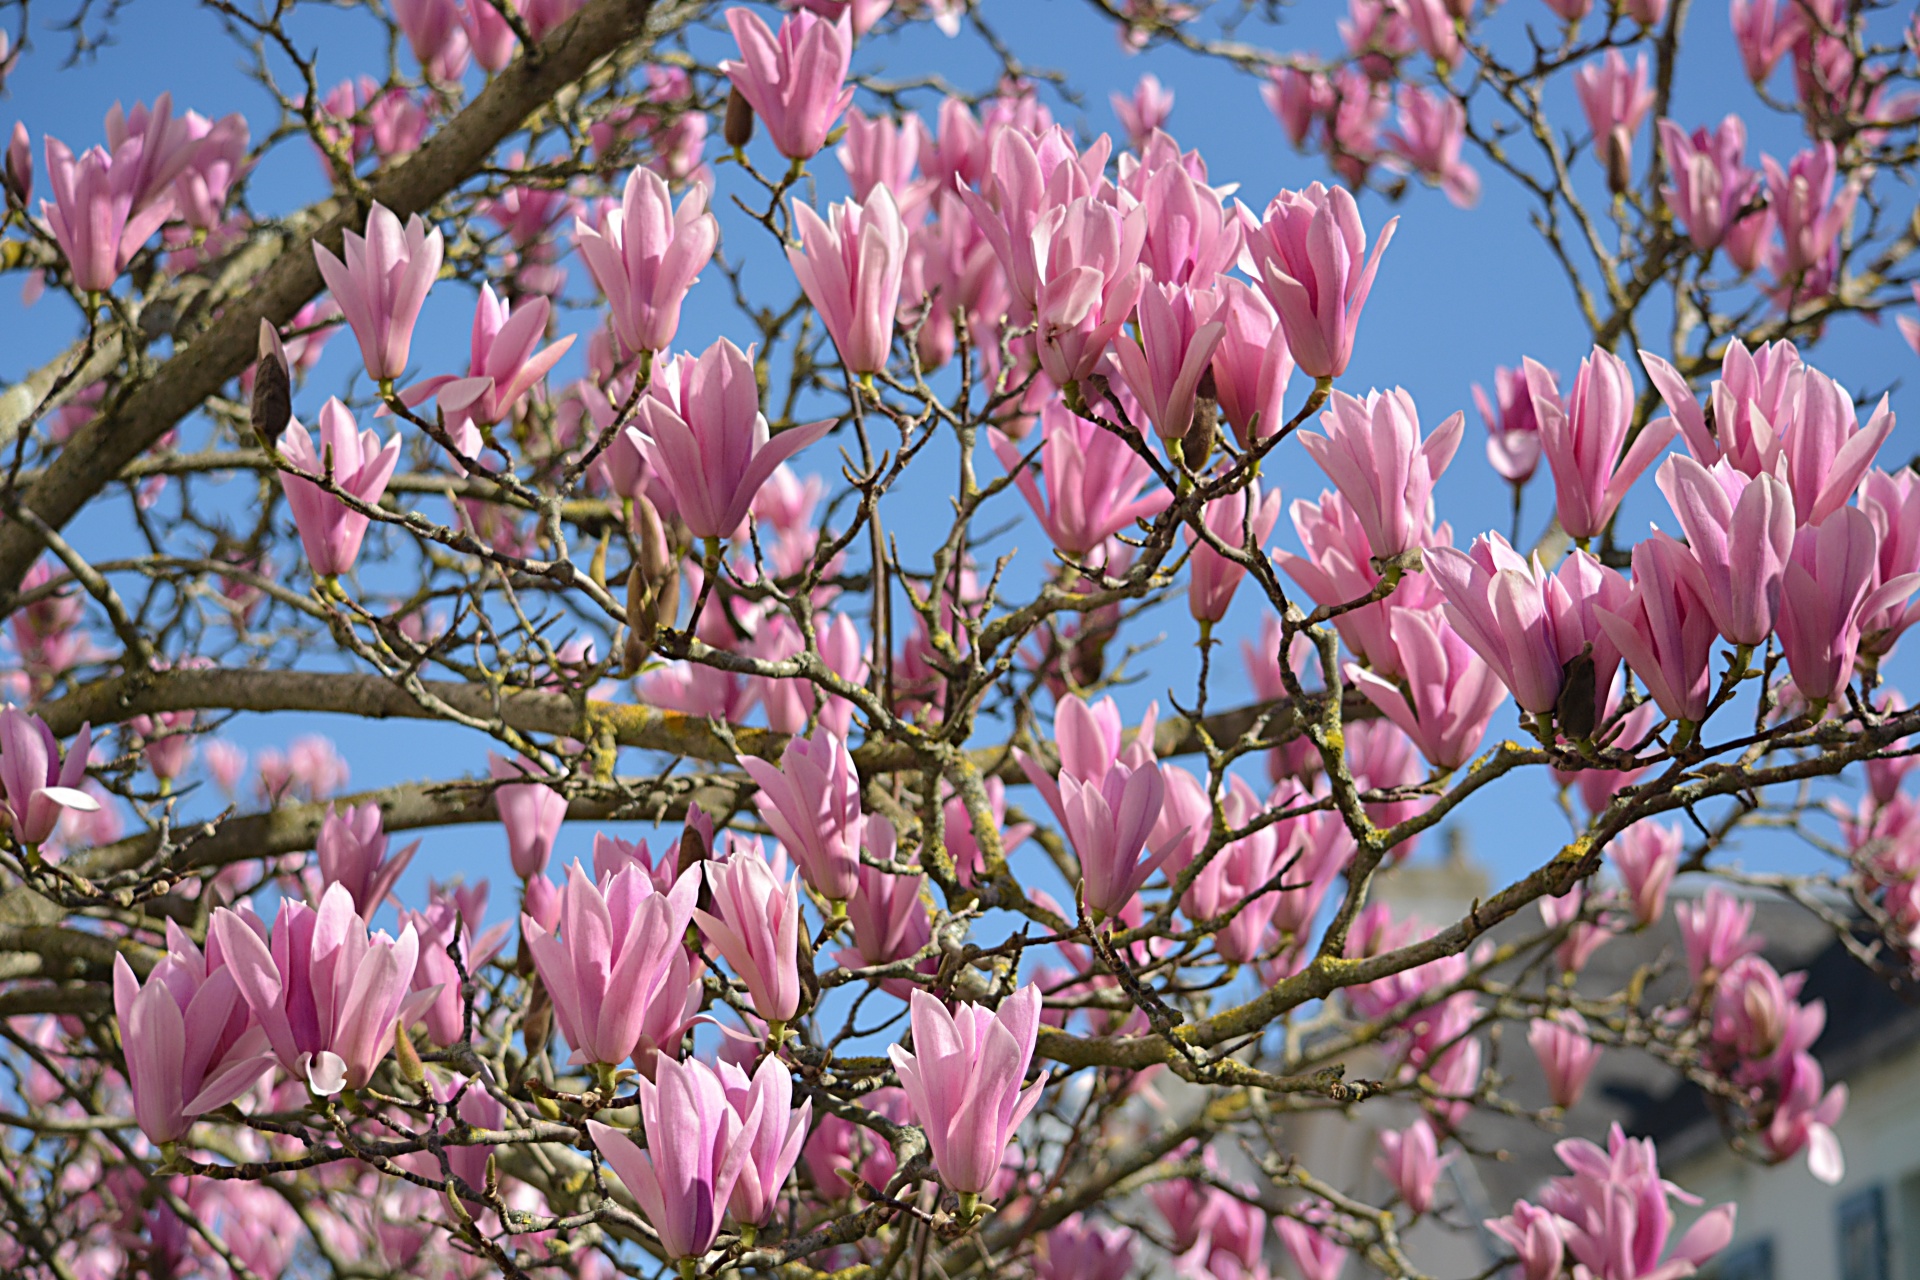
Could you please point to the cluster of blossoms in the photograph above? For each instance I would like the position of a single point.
(305, 1057)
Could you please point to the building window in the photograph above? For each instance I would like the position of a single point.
(1906, 1231)
(1752, 1260)
(1863, 1236)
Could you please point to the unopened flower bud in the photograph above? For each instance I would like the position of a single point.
(408, 1057)
(1619, 160)
(272, 405)
(17, 175)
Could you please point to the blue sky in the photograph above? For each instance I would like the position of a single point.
(1459, 293)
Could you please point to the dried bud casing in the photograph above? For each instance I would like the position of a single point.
(1574, 712)
(272, 406)
(1619, 160)
(1197, 445)
(537, 1025)
(737, 129)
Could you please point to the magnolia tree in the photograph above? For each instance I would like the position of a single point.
(934, 961)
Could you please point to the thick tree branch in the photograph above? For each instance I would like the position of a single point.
(221, 351)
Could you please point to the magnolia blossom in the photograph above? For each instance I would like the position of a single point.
(382, 284)
(962, 1080)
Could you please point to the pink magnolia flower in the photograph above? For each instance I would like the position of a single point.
(1646, 855)
(1827, 587)
(645, 254)
(962, 1081)
(382, 284)
(772, 1131)
(850, 269)
(1447, 694)
(1805, 1118)
(530, 811)
(1751, 1008)
(352, 851)
(93, 214)
(328, 995)
(1432, 130)
(1826, 449)
(881, 152)
(488, 34)
(1252, 364)
(1299, 98)
(1584, 436)
(155, 145)
(812, 804)
(540, 902)
(1338, 569)
(621, 980)
(1764, 34)
(1570, 10)
(1027, 176)
(1236, 879)
(1311, 254)
(1769, 408)
(38, 783)
(1526, 623)
(217, 160)
(1810, 215)
(1144, 110)
(796, 82)
(1615, 101)
(357, 463)
(1715, 931)
(1091, 480)
(1108, 820)
(1892, 501)
(1432, 25)
(1088, 278)
(1163, 368)
(442, 925)
(1088, 739)
(707, 441)
(1411, 1160)
(225, 763)
(1710, 181)
(889, 920)
(963, 843)
(1535, 1236)
(611, 855)
(1664, 631)
(1910, 327)
(1373, 453)
(697, 1149)
(503, 366)
(1315, 1254)
(1613, 1214)
(191, 1045)
(1235, 518)
(755, 926)
(1079, 1250)
(1566, 1055)
(435, 35)
(1740, 533)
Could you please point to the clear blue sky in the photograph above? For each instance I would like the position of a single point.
(1460, 292)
